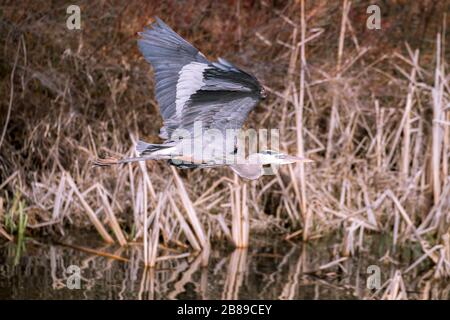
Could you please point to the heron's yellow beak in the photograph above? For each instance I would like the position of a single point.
(297, 159)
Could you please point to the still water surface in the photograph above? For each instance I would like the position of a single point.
(270, 269)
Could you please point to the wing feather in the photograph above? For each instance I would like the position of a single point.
(168, 53)
(189, 88)
(225, 99)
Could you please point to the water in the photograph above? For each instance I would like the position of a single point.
(270, 269)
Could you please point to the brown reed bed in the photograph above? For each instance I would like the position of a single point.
(372, 108)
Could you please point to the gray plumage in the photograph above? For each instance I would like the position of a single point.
(189, 88)
(167, 52)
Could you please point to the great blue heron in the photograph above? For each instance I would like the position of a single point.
(190, 90)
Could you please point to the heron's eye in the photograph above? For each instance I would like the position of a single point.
(263, 93)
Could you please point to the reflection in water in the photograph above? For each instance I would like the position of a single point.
(275, 270)
(235, 275)
(291, 285)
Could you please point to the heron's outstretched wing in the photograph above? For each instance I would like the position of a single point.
(189, 88)
(224, 99)
(169, 54)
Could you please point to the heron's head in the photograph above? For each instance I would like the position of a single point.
(273, 157)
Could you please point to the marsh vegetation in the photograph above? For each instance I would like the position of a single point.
(370, 107)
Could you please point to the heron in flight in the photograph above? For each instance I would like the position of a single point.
(191, 90)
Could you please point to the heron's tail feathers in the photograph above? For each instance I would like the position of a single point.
(144, 148)
(145, 151)
(105, 162)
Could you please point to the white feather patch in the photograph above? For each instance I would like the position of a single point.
(189, 81)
